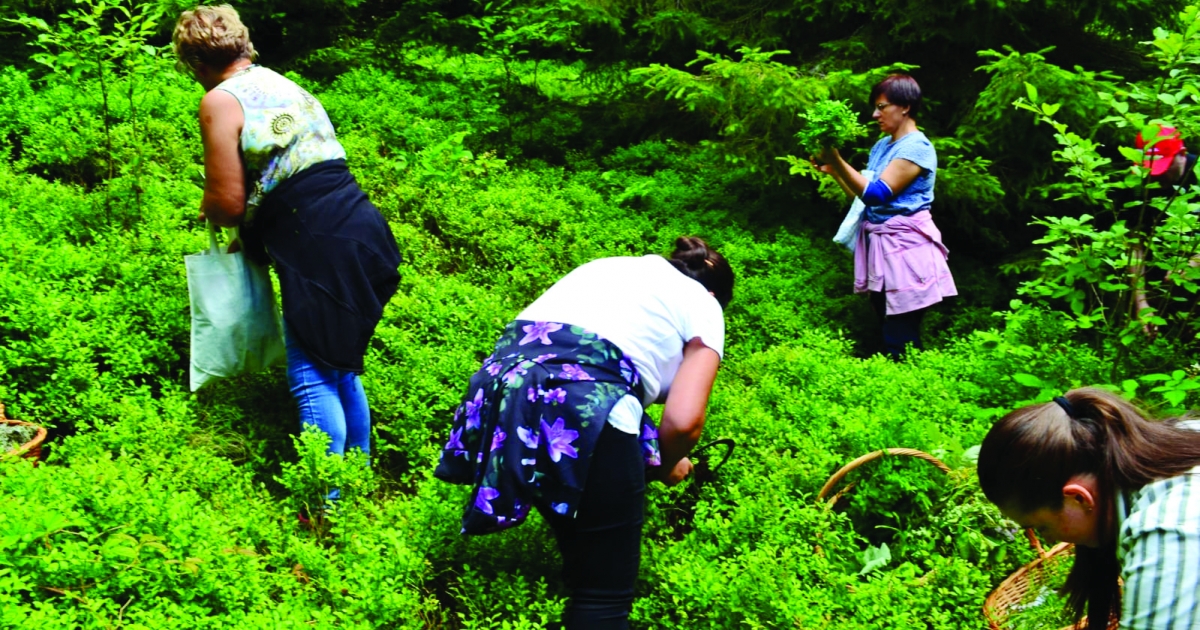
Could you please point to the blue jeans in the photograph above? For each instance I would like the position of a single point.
(331, 400)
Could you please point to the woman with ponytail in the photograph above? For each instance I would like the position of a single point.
(1090, 469)
(554, 418)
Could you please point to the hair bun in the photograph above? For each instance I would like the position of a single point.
(696, 260)
(692, 252)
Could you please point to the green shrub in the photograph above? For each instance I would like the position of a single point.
(161, 509)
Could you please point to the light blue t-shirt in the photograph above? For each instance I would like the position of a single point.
(915, 148)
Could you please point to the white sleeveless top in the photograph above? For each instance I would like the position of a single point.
(286, 130)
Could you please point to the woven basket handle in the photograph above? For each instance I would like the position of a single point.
(845, 470)
(1037, 544)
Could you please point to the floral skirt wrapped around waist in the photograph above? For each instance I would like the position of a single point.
(529, 421)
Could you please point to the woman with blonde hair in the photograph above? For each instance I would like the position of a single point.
(274, 168)
(1089, 468)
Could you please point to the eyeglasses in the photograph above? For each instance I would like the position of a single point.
(882, 106)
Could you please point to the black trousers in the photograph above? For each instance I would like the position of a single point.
(898, 330)
(601, 546)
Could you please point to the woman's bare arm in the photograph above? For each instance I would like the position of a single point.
(898, 174)
(850, 179)
(221, 121)
(683, 414)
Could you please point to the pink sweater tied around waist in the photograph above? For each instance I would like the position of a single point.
(905, 259)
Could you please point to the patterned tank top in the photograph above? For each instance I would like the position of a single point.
(286, 131)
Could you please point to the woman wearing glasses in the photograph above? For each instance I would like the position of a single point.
(899, 259)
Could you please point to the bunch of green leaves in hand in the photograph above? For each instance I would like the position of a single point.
(829, 123)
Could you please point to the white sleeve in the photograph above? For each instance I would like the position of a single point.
(705, 319)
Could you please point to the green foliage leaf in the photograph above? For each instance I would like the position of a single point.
(828, 124)
(1028, 380)
(503, 153)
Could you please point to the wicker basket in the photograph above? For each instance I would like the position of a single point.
(869, 457)
(31, 449)
(1012, 590)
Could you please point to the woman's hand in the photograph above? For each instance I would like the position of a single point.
(822, 161)
(830, 162)
(681, 471)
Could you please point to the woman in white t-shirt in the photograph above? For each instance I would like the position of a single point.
(554, 418)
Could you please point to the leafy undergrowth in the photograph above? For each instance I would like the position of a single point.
(160, 509)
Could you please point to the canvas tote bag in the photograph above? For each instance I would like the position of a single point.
(236, 326)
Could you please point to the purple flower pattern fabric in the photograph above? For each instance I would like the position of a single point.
(528, 436)
(483, 497)
(538, 331)
(551, 386)
(471, 408)
(558, 440)
(575, 373)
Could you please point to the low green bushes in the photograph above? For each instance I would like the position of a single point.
(161, 509)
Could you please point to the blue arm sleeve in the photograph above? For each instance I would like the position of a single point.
(877, 193)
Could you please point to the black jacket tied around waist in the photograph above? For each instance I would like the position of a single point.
(336, 259)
